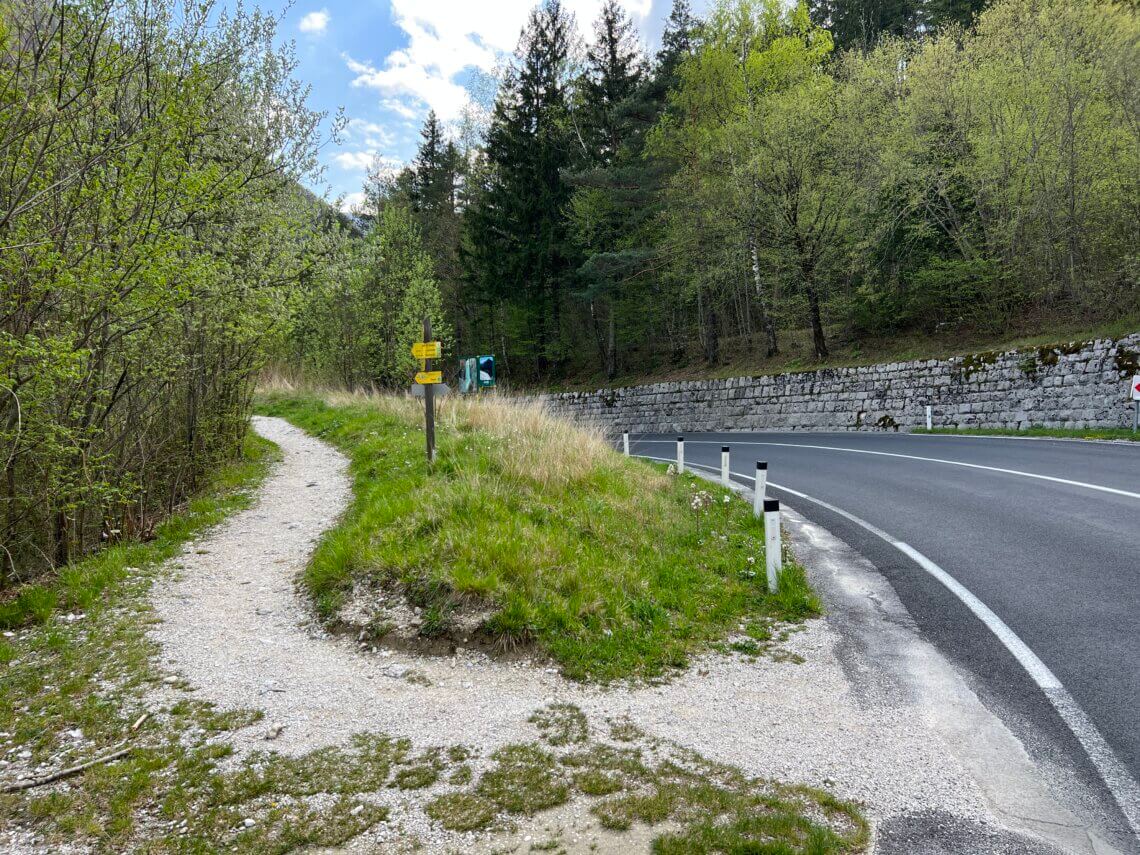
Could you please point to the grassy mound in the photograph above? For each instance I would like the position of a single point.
(611, 566)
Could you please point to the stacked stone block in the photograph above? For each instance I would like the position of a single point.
(1069, 385)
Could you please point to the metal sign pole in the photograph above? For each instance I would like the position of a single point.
(429, 400)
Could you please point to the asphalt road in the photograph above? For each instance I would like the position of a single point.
(1058, 563)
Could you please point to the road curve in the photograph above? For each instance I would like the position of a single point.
(1045, 534)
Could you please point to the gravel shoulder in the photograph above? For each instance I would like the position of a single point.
(872, 712)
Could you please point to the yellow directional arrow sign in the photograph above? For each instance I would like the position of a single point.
(429, 378)
(427, 350)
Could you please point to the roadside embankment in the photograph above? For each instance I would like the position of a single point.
(1072, 385)
(530, 535)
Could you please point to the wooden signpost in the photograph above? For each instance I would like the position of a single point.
(426, 351)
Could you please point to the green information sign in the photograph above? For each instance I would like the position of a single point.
(475, 373)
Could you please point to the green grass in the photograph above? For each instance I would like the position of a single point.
(707, 807)
(1057, 433)
(608, 565)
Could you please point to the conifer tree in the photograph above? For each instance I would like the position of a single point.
(614, 70)
(937, 13)
(859, 24)
(519, 251)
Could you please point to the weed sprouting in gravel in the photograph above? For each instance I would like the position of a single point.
(561, 724)
(624, 730)
(462, 811)
(705, 806)
(525, 780)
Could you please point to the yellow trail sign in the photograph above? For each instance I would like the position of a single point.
(427, 350)
(429, 378)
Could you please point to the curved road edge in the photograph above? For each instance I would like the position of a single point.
(998, 758)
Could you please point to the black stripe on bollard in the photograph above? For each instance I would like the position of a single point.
(771, 505)
(761, 464)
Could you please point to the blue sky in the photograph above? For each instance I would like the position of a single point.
(387, 62)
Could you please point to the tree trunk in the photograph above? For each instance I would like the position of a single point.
(599, 338)
(712, 337)
(766, 322)
(611, 349)
(817, 335)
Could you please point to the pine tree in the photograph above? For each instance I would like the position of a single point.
(433, 170)
(938, 13)
(859, 24)
(518, 250)
(434, 177)
(615, 68)
(678, 41)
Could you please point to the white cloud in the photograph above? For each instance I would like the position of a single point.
(445, 37)
(401, 108)
(370, 134)
(350, 202)
(355, 160)
(315, 22)
(362, 161)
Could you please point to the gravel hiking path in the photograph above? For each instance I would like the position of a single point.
(235, 628)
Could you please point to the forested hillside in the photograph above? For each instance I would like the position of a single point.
(771, 182)
(152, 232)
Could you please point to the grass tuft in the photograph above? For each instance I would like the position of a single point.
(525, 781)
(561, 724)
(462, 811)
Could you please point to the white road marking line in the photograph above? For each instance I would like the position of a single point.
(1123, 788)
(1098, 487)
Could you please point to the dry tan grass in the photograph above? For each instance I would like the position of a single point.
(532, 444)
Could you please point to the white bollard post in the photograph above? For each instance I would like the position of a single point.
(724, 475)
(761, 491)
(773, 544)
(625, 442)
(680, 455)
(929, 417)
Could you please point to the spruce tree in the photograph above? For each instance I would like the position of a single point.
(938, 13)
(614, 70)
(518, 251)
(859, 24)
(434, 178)
(678, 40)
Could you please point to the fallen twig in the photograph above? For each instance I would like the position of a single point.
(121, 751)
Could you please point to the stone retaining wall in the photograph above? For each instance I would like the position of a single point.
(1072, 385)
